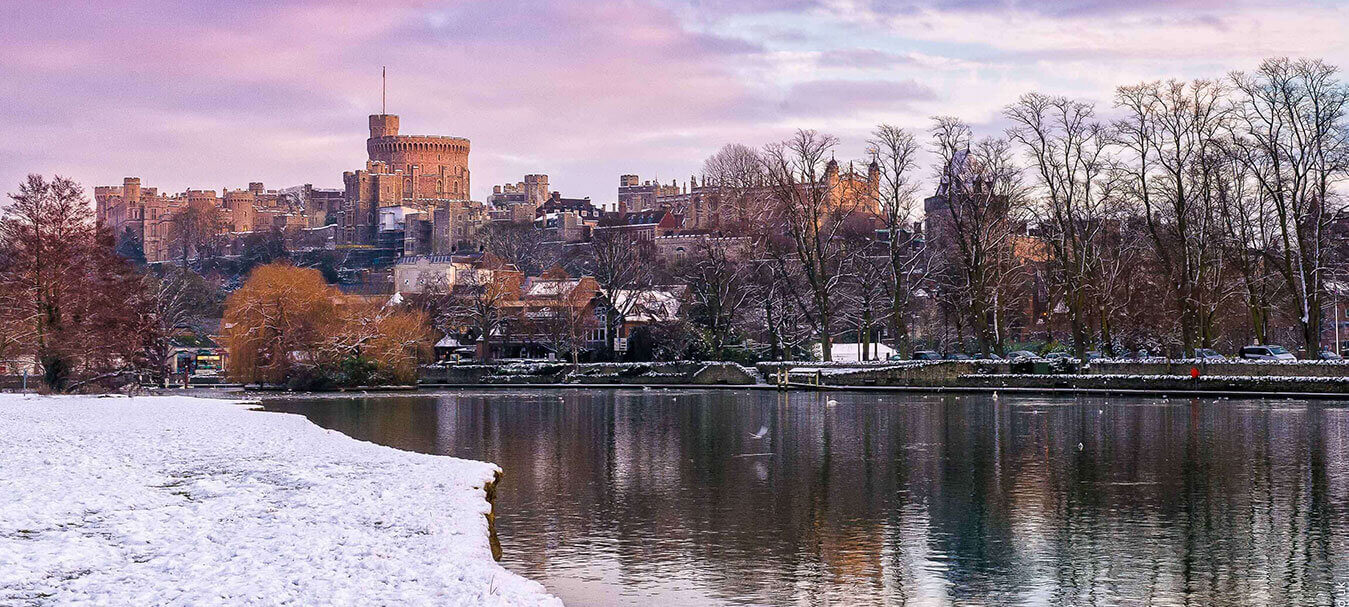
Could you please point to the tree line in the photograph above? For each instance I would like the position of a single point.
(1186, 214)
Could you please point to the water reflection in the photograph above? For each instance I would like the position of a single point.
(666, 497)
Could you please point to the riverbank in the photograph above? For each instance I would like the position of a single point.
(1149, 376)
(159, 500)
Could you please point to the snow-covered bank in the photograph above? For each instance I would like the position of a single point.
(177, 500)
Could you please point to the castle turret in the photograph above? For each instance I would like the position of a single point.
(383, 125)
(131, 189)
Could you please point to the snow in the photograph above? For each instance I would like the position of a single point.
(186, 501)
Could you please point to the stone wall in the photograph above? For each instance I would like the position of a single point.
(683, 373)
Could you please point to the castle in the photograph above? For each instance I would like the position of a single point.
(418, 175)
(412, 196)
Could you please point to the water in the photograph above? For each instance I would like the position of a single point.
(627, 497)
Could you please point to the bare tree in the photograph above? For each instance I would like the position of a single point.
(168, 305)
(812, 208)
(972, 224)
(519, 244)
(193, 228)
(1249, 237)
(894, 152)
(477, 302)
(864, 299)
(1169, 135)
(736, 172)
(719, 290)
(1069, 154)
(622, 265)
(1290, 137)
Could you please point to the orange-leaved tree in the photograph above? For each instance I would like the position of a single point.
(276, 323)
(287, 326)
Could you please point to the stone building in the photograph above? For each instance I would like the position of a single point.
(642, 226)
(143, 213)
(518, 202)
(366, 191)
(703, 205)
(419, 180)
(432, 166)
(637, 195)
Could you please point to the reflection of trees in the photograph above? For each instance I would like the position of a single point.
(899, 499)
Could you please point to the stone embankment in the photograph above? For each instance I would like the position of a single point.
(1149, 375)
(1143, 376)
(599, 374)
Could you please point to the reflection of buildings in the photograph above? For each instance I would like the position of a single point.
(925, 500)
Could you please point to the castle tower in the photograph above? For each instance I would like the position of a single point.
(383, 125)
(131, 190)
(536, 189)
(432, 166)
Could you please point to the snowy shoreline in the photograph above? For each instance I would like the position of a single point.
(158, 500)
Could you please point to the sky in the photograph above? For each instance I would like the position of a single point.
(218, 94)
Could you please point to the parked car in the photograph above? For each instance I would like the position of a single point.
(957, 356)
(982, 356)
(1266, 353)
(926, 355)
(1330, 355)
(1095, 355)
(1022, 354)
(1208, 355)
(1059, 356)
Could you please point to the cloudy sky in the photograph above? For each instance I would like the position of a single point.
(218, 94)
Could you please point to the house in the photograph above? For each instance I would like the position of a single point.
(413, 274)
(644, 226)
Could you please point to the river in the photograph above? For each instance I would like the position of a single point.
(671, 497)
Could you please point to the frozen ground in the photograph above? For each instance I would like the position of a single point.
(185, 501)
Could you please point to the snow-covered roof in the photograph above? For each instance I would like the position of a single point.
(550, 288)
(648, 305)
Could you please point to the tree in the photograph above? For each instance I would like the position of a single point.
(519, 244)
(66, 298)
(261, 248)
(811, 209)
(566, 319)
(866, 282)
(167, 305)
(285, 325)
(894, 152)
(1289, 135)
(718, 290)
(1169, 135)
(477, 302)
(971, 227)
(621, 265)
(130, 247)
(1069, 154)
(276, 323)
(1249, 239)
(736, 174)
(193, 227)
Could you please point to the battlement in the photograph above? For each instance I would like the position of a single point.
(417, 143)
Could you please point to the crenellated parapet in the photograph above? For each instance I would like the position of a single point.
(415, 144)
